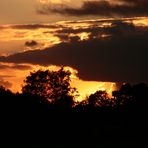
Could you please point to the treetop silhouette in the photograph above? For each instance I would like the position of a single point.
(52, 86)
(100, 99)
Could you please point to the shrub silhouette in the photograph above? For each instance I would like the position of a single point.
(5, 94)
(124, 95)
(99, 98)
(140, 94)
(51, 86)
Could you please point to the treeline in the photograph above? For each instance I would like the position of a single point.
(52, 90)
(46, 111)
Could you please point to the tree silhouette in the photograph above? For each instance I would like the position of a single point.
(51, 86)
(5, 94)
(3, 90)
(124, 95)
(140, 94)
(99, 98)
(7, 99)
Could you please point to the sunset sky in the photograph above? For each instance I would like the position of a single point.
(103, 41)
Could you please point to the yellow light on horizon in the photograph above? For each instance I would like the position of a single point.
(85, 88)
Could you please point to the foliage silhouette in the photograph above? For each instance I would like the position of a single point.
(5, 95)
(51, 86)
(133, 95)
(116, 117)
(124, 95)
(3, 90)
(99, 99)
(140, 94)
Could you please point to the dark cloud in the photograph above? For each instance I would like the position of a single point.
(101, 8)
(31, 43)
(67, 38)
(97, 25)
(96, 31)
(31, 26)
(34, 26)
(98, 21)
(63, 37)
(122, 57)
(74, 39)
(79, 30)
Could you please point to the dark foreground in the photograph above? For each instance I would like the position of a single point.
(100, 127)
(30, 121)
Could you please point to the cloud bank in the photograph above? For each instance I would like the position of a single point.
(116, 53)
(126, 8)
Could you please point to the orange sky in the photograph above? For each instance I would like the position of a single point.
(24, 11)
(16, 76)
(13, 39)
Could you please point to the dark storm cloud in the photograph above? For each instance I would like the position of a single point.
(122, 57)
(102, 8)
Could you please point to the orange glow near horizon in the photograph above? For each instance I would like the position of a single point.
(85, 88)
(143, 21)
(14, 37)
